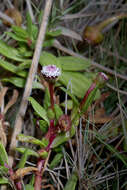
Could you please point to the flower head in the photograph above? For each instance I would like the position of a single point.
(51, 71)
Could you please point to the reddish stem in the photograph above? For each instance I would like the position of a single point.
(50, 136)
(93, 85)
(38, 176)
(18, 183)
(51, 90)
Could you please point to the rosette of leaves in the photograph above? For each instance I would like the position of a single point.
(17, 60)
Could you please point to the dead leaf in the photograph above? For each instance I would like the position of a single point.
(100, 116)
(15, 15)
(3, 137)
(21, 172)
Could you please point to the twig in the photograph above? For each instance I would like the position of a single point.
(115, 89)
(113, 54)
(46, 162)
(70, 52)
(30, 10)
(28, 87)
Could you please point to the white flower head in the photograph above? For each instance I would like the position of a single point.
(51, 71)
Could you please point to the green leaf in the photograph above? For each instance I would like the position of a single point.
(30, 139)
(29, 24)
(43, 126)
(58, 111)
(3, 155)
(18, 82)
(46, 99)
(34, 32)
(23, 66)
(29, 187)
(63, 137)
(80, 83)
(30, 152)
(4, 181)
(60, 139)
(12, 68)
(71, 63)
(45, 141)
(48, 59)
(10, 52)
(37, 85)
(39, 109)
(23, 159)
(20, 32)
(56, 160)
(48, 43)
(54, 33)
(3, 170)
(69, 104)
(72, 182)
(15, 37)
(24, 52)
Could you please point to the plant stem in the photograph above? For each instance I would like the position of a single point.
(38, 176)
(51, 90)
(18, 185)
(50, 136)
(110, 20)
(93, 85)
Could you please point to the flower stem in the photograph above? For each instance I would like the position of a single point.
(51, 90)
(50, 136)
(93, 85)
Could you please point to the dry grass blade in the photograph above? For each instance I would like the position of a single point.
(2, 94)
(3, 137)
(48, 186)
(31, 75)
(11, 101)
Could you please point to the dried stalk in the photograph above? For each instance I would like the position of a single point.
(28, 87)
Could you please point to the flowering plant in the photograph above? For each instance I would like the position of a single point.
(60, 125)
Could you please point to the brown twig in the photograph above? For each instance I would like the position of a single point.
(31, 75)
